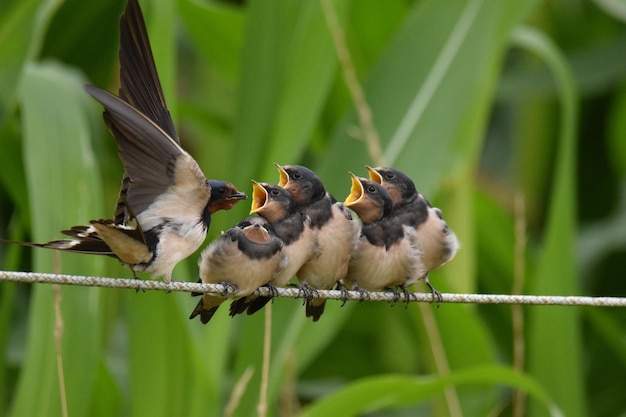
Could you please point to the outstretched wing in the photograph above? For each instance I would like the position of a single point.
(159, 169)
(140, 85)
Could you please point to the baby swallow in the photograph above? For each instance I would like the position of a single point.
(386, 255)
(336, 233)
(436, 242)
(244, 258)
(299, 241)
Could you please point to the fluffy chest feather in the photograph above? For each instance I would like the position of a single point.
(336, 241)
(222, 261)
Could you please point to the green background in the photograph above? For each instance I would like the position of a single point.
(509, 115)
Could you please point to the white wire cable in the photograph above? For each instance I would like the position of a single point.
(147, 285)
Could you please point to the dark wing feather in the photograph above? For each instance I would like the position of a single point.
(149, 155)
(140, 85)
(92, 246)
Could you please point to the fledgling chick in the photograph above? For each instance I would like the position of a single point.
(386, 255)
(299, 241)
(244, 258)
(336, 231)
(437, 243)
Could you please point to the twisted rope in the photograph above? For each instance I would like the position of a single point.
(153, 285)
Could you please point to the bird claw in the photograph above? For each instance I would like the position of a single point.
(363, 294)
(228, 288)
(408, 296)
(344, 293)
(436, 294)
(271, 288)
(396, 296)
(138, 283)
(307, 292)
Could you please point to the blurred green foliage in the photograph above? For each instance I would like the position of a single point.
(478, 101)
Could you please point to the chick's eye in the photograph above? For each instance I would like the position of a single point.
(274, 192)
(297, 175)
(371, 189)
(389, 175)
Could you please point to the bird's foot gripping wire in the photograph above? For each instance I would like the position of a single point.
(436, 294)
(271, 288)
(363, 294)
(398, 291)
(228, 289)
(408, 296)
(273, 291)
(138, 283)
(344, 293)
(307, 292)
(396, 295)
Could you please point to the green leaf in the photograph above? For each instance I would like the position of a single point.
(559, 368)
(64, 188)
(617, 133)
(287, 69)
(429, 92)
(216, 31)
(22, 28)
(385, 392)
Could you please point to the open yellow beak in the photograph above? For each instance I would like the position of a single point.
(284, 177)
(356, 191)
(374, 175)
(259, 197)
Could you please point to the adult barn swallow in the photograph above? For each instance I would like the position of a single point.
(294, 229)
(244, 258)
(141, 88)
(386, 255)
(167, 201)
(336, 232)
(85, 239)
(167, 196)
(436, 242)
